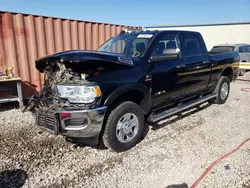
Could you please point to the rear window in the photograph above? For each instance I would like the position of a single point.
(241, 49)
(222, 49)
(247, 49)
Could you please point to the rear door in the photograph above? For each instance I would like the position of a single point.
(198, 64)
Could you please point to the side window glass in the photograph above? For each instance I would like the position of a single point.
(241, 49)
(166, 42)
(192, 45)
(247, 49)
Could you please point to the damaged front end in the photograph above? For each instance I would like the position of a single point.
(58, 91)
(73, 73)
(69, 103)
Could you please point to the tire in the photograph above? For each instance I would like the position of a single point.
(221, 98)
(126, 111)
(242, 72)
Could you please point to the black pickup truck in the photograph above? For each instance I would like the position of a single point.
(106, 96)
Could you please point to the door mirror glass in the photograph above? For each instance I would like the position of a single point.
(168, 54)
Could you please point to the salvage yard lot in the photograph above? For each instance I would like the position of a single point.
(175, 152)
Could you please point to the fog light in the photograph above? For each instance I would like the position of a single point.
(76, 122)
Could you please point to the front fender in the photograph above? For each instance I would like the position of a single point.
(130, 87)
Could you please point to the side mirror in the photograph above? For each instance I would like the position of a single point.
(168, 54)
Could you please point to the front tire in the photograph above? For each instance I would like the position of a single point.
(124, 127)
(222, 90)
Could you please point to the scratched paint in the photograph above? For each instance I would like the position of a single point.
(25, 38)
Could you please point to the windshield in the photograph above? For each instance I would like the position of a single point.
(222, 49)
(132, 44)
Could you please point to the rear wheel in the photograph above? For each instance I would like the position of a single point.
(222, 90)
(124, 127)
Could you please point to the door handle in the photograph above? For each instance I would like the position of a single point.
(180, 66)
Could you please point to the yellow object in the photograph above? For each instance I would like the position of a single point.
(9, 73)
(97, 91)
(83, 76)
(245, 65)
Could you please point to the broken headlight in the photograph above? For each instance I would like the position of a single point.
(79, 94)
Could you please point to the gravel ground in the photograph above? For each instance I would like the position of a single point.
(177, 151)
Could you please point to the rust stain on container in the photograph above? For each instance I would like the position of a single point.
(25, 38)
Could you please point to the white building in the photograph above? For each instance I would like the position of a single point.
(213, 34)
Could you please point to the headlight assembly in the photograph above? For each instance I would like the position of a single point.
(79, 94)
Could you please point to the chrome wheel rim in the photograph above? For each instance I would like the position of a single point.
(127, 127)
(224, 91)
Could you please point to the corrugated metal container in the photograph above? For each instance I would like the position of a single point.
(25, 38)
(213, 34)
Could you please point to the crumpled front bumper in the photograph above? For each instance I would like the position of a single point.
(72, 123)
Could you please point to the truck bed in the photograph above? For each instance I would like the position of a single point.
(223, 56)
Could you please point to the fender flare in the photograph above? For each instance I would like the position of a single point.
(224, 68)
(131, 87)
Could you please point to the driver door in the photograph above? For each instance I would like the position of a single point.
(168, 76)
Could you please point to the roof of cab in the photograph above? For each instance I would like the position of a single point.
(159, 31)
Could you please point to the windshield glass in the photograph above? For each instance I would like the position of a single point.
(131, 44)
(222, 49)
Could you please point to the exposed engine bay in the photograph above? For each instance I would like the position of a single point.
(56, 73)
(73, 73)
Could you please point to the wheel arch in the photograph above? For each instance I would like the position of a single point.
(137, 93)
(227, 71)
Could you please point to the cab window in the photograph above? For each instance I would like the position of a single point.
(168, 41)
(192, 45)
(247, 49)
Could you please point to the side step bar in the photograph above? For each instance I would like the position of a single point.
(159, 116)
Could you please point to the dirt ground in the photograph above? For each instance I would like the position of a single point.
(175, 152)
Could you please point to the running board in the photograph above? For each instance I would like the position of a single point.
(157, 117)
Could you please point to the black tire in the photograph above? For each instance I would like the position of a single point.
(242, 72)
(110, 139)
(218, 90)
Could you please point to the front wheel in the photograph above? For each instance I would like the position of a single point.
(222, 90)
(124, 127)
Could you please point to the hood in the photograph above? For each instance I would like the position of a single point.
(83, 59)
